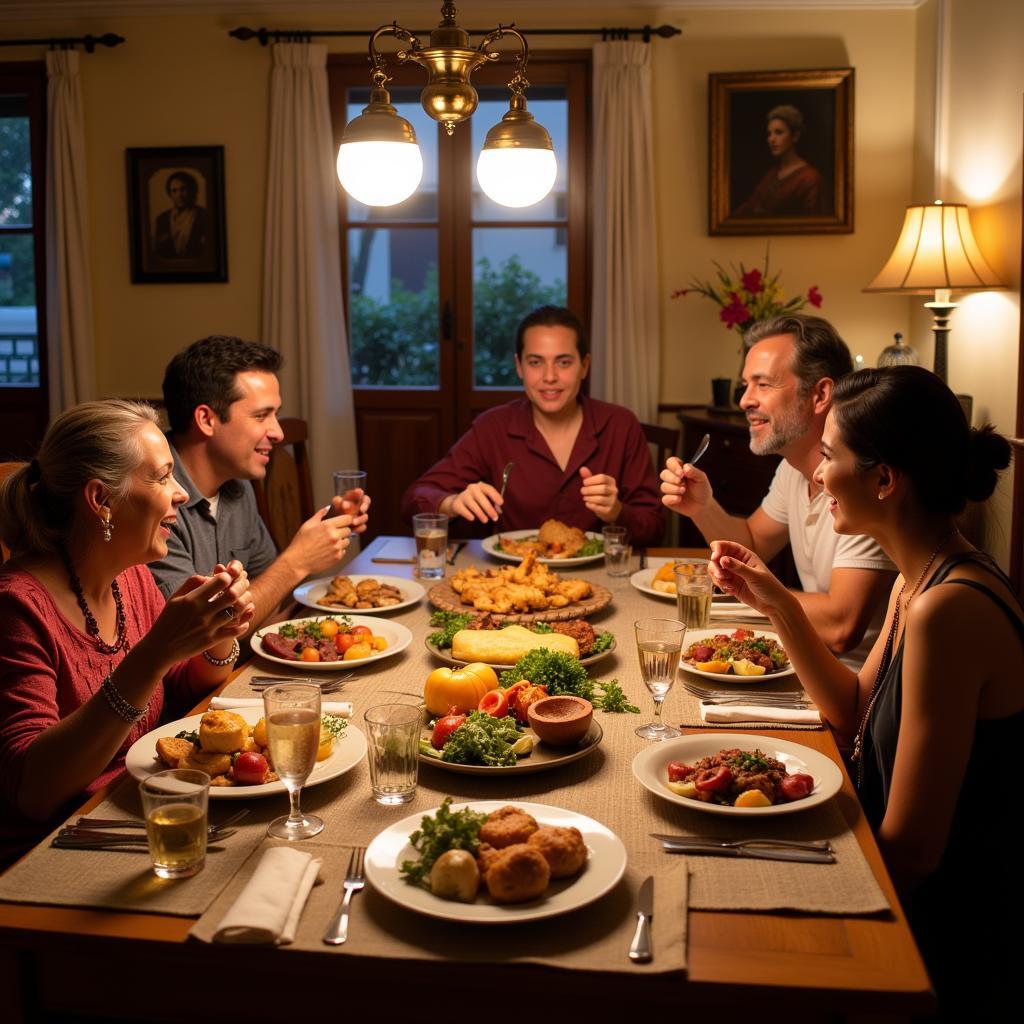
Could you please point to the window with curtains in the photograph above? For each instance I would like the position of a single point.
(435, 286)
(23, 393)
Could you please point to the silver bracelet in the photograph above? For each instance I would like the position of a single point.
(233, 654)
(124, 709)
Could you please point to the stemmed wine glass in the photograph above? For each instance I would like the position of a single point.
(293, 735)
(659, 642)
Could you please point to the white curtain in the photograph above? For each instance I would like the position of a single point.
(72, 363)
(625, 317)
(303, 314)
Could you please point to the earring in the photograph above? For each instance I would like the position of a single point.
(881, 496)
(106, 525)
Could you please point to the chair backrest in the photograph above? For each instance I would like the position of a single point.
(6, 469)
(285, 496)
(1017, 526)
(665, 442)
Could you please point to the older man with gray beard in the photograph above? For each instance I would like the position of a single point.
(792, 363)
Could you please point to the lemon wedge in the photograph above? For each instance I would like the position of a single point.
(720, 667)
(744, 667)
(752, 798)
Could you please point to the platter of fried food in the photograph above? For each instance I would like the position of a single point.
(529, 592)
(554, 543)
(223, 734)
(368, 595)
(531, 861)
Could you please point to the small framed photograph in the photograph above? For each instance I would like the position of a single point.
(176, 215)
(781, 152)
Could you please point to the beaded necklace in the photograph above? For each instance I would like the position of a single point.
(91, 626)
(883, 666)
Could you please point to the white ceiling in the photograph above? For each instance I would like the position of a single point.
(39, 9)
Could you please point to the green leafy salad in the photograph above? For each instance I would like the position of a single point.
(482, 739)
(447, 830)
(561, 673)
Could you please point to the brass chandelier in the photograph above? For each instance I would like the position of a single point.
(379, 160)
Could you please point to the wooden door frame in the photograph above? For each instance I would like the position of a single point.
(1017, 513)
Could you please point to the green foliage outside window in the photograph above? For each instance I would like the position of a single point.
(395, 343)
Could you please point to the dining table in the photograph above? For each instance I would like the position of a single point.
(773, 947)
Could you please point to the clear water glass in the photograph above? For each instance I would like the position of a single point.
(393, 745)
(292, 711)
(659, 643)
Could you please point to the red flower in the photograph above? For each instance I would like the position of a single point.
(681, 293)
(735, 313)
(814, 297)
(752, 281)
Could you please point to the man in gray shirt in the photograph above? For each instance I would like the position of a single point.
(222, 398)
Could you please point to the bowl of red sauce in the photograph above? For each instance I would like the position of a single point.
(561, 721)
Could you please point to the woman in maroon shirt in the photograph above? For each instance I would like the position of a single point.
(90, 646)
(576, 459)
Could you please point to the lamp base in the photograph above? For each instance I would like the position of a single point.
(942, 309)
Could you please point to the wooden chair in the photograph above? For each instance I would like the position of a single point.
(6, 469)
(285, 496)
(665, 442)
(1017, 518)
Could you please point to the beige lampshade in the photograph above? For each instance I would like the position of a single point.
(936, 249)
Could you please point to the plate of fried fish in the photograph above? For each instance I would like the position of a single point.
(367, 595)
(555, 543)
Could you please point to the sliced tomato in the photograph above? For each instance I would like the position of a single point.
(714, 780)
(361, 631)
(494, 703)
(343, 641)
(742, 634)
(796, 786)
(678, 772)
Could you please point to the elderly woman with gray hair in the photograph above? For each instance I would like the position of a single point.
(92, 653)
(791, 187)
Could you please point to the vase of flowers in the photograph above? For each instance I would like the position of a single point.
(746, 297)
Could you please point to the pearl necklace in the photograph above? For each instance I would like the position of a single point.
(883, 667)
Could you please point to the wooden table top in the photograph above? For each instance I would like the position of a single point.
(67, 959)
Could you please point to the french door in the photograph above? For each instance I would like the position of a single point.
(435, 286)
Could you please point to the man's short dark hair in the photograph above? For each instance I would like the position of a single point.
(205, 372)
(188, 180)
(820, 352)
(553, 316)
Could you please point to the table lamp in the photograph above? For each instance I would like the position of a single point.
(936, 253)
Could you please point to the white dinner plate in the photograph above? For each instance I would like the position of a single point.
(141, 760)
(650, 767)
(490, 546)
(721, 608)
(311, 592)
(694, 636)
(606, 862)
(397, 636)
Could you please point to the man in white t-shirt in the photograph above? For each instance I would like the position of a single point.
(791, 365)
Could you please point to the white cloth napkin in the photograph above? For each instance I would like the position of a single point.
(758, 713)
(341, 708)
(268, 908)
(735, 610)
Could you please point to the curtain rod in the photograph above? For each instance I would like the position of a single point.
(265, 35)
(67, 42)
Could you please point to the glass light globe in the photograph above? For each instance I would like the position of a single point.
(516, 176)
(380, 173)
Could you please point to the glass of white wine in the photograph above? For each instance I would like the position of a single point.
(174, 805)
(659, 643)
(292, 712)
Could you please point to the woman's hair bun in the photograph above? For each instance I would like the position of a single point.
(987, 454)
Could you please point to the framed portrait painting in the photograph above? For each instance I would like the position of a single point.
(176, 215)
(781, 152)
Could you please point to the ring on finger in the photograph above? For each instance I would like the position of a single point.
(229, 612)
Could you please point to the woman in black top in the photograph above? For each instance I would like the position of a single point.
(935, 718)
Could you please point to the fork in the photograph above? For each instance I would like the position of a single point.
(759, 696)
(337, 930)
(765, 701)
(100, 823)
(326, 685)
(505, 474)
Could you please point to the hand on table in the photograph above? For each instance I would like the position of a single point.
(685, 489)
(479, 501)
(600, 494)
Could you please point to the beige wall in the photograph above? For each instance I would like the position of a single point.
(182, 80)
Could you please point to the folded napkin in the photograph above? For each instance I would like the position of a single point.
(268, 908)
(734, 610)
(341, 708)
(758, 713)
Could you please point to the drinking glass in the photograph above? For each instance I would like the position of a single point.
(617, 550)
(431, 532)
(293, 735)
(659, 643)
(346, 483)
(393, 742)
(174, 805)
(693, 592)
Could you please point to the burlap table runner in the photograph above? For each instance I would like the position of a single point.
(601, 786)
(594, 938)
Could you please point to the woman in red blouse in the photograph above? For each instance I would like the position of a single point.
(92, 652)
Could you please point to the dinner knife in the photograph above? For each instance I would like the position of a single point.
(752, 853)
(797, 844)
(640, 948)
